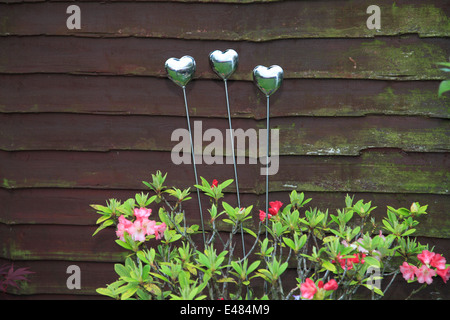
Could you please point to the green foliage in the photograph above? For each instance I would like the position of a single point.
(444, 86)
(344, 246)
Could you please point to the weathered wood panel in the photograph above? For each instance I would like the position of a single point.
(49, 281)
(75, 243)
(50, 278)
(41, 93)
(405, 58)
(375, 171)
(298, 136)
(345, 93)
(288, 19)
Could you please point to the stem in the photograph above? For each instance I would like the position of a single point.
(415, 291)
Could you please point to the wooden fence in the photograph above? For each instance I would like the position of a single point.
(87, 114)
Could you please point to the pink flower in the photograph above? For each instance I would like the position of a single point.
(308, 289)
(275, 207)
(159, 230)
(262, 215)
(214, 184)
(408, 271)
(438, 261)
(425, 257)
(140, 230)
(348, 263)
(124, 226)
(142, 213)
(149, 226)
(444, 274)
(425, 274)
(331, 285)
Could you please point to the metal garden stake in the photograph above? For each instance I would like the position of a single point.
(268, 80)
(224, 64)
(181, 71)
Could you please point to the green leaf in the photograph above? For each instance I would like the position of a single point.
(250, 232)
(371, 261)
(103, 218)
(408, 232)
(373, 288)
(444, 87)
(121, 270)
(289, 243)
(229, 209)
(130, 292)
(124, 244)
(253, 266)
(226, 183)
(328, 265)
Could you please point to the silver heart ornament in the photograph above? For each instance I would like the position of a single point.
(268, 80)
(180, 71)
(224, 63)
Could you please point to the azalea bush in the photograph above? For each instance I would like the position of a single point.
(297, 252)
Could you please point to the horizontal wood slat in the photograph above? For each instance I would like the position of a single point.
(406, 58)
(72, 206)
(86, 115)
(40, 93)
(75, 243)
(281, 20)
(50, 277)
(297, 136)
(68, 243)
(387, 171)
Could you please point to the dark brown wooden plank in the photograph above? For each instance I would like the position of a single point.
(406, 58)
(75, 243)
(72, 206)
(56, 242)
(270, 21)
(385, 170)
(298, 136)
(158, 96)
(50, 278)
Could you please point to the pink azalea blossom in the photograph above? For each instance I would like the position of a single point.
(142, 213)
(331, 285)
(159, 230)
(308, 289)
(275, 207)
(425, 257)
(438, 261)
(444, 274)
(140, 230)
(425, 274)
(262, 215)
(408, 271)
(150, 226)
(124, 226)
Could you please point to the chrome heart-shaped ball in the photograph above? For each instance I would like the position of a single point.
(268, 80)
(224, 63)
(180, 71)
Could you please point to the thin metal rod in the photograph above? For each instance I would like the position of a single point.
(232, 144)
(234, 160)
(193, 162)
(267, 164)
